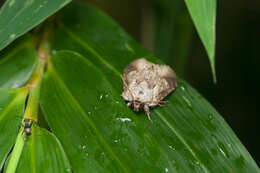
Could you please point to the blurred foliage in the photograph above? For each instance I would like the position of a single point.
(173, 31)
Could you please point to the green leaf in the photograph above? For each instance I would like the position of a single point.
(203, 13)
(17, 17)
(43, 153)
(17, 62)
(100, 133)
(12, 103)
(83, 107)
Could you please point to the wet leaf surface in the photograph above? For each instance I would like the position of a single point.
(43, 153)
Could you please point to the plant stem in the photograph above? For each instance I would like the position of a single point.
(16, 153)
(31, 111)
(34, 83)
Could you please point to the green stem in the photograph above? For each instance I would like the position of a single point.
(16, 153)
(31, 111)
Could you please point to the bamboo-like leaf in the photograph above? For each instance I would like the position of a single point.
(43, 153)
(100, 133)
(187, 135)
(17, 17)
(17, 62)
(11, 113)
(203, 13)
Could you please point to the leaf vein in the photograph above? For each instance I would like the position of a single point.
(73, 99)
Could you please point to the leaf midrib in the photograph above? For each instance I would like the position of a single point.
(80, 41)
(75, 101)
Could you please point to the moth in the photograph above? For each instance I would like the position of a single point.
(146, 84)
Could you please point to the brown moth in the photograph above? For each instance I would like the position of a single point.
(147, 84)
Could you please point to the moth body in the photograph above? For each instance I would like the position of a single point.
(147, 84)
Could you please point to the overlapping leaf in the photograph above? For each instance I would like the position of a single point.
(203, 13)
(17, 62)
(43, 153)
(17, 17)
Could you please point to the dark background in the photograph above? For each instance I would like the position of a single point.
(165, 27)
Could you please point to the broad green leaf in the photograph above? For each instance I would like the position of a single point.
(17, 62)
(100, 133)
(203, 13)
(12, 103)
(83, 107)
(43, 153)
(19, 16)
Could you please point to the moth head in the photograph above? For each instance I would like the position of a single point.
(137, 105)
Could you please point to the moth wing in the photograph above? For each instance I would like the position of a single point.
(136, 65)
(169, 75)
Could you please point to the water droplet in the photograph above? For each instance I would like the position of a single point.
(117, 102)
(100, 97)
(116, 141)
(210, 116)
(166, 170)
(83, 149)
(223, 149)
(171, 147)
(124, 119)
(106, 95)
(68, 170)
(187, 101)
(220, 149)
(89, 113)
(12, 36)
(182, 88)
